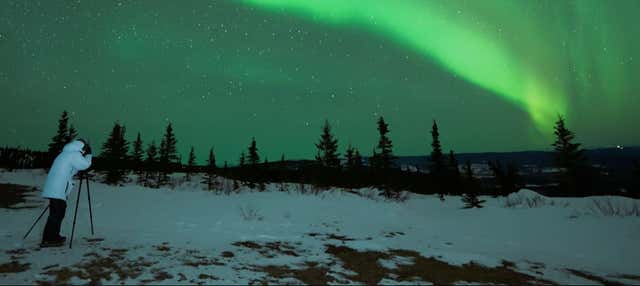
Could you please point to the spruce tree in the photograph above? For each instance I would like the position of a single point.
(190, 164)
(136, 156)
(567, 156)
(209, 178)
(168, 154)
(470, 200)
(384, 157)
(151, 166)
(60, 139)
(470, 196)
(73, 133)
(243, 159)
(254, 158)
(506, 178)
(468, 172)
(114, 154)
(349, 155)
(437, 158)
(327, 148)
(357, 159)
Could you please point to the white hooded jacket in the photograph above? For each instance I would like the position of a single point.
(59, 182)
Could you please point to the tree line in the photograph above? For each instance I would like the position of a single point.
(153, 164)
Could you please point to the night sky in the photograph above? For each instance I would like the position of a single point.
(495, 74)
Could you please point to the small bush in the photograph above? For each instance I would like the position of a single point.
(249, 213)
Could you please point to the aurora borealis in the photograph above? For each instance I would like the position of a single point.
(495, 74)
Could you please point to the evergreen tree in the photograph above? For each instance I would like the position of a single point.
(209, 178)
(242, 159)
(468, 172)
(357, 159)
(470, 196)
(73, 133)
(470, 200)
(254, 158)
(383, 158)
(136, 156)
(168, 154)
(114, 154)
(191, 164)
(327, 148)
(151, 166)
(437, 158)
(60, 139)
(506, 178)
(349, 155)
(568, 156)
(453, 164)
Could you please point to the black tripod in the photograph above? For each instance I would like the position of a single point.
(83, 177)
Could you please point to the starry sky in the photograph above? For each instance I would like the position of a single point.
(495, 74)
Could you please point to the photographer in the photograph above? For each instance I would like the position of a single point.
(76, 156)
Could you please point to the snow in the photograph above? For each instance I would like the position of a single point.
(560, 233)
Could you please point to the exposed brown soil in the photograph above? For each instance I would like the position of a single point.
(18, 251)
(310, 274)
(270, 249)
(158, 276)
(592, 277)
(99, 268)
(14, 267)
(368, 269)
(203, 276)
(12, 195)
(281, 248)
(247, 244)
(227, 254)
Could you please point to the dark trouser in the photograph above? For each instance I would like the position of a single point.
(57, 209)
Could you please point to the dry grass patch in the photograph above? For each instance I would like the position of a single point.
(99, 268)
(14, 267)
(310, 274)
(203, 276)
(368, 269)
(247, 244)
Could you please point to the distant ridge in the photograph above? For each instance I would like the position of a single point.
(619, 159)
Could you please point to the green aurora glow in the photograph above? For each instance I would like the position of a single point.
(494, 73)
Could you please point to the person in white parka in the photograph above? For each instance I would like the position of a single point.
(76, 156)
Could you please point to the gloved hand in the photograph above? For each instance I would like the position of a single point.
(87, 149)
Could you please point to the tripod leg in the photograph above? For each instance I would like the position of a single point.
(35, 222)
(73, 228)
(89, 198)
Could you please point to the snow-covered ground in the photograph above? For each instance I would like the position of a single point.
(189, 235)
